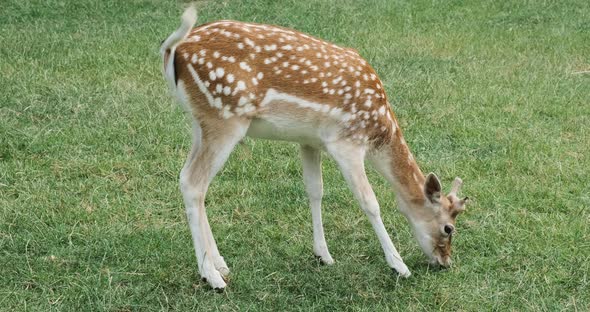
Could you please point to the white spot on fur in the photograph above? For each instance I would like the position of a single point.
(245, 66)
(226, 112)
(271, 47)
(248, 107)
(242, 101)
(219, 72)
(249, 42)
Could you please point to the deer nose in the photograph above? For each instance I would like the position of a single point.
(449, 228)
(445, 261)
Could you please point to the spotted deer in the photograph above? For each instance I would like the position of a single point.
(244, 79)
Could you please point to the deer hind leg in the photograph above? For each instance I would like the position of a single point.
(350, 159)
(312, 177)
(212, 145)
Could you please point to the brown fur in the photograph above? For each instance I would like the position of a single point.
(296, 71)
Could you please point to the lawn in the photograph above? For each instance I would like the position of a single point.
(91, 145)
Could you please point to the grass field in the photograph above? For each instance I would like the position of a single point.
(91, 145)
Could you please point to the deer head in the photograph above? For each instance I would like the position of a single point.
(434, 226)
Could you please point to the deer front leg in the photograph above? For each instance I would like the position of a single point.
(350, 159)
(312, 177)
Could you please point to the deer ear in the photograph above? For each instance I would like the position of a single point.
(432, 188)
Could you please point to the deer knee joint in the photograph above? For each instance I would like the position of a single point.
(371, 210)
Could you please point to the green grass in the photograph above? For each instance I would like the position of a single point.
(91, 145)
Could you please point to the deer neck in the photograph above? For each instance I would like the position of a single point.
(396, 163)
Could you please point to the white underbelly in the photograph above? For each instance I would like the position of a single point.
(287, 119)
(286, 129)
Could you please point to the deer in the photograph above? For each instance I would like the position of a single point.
(239, 79)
